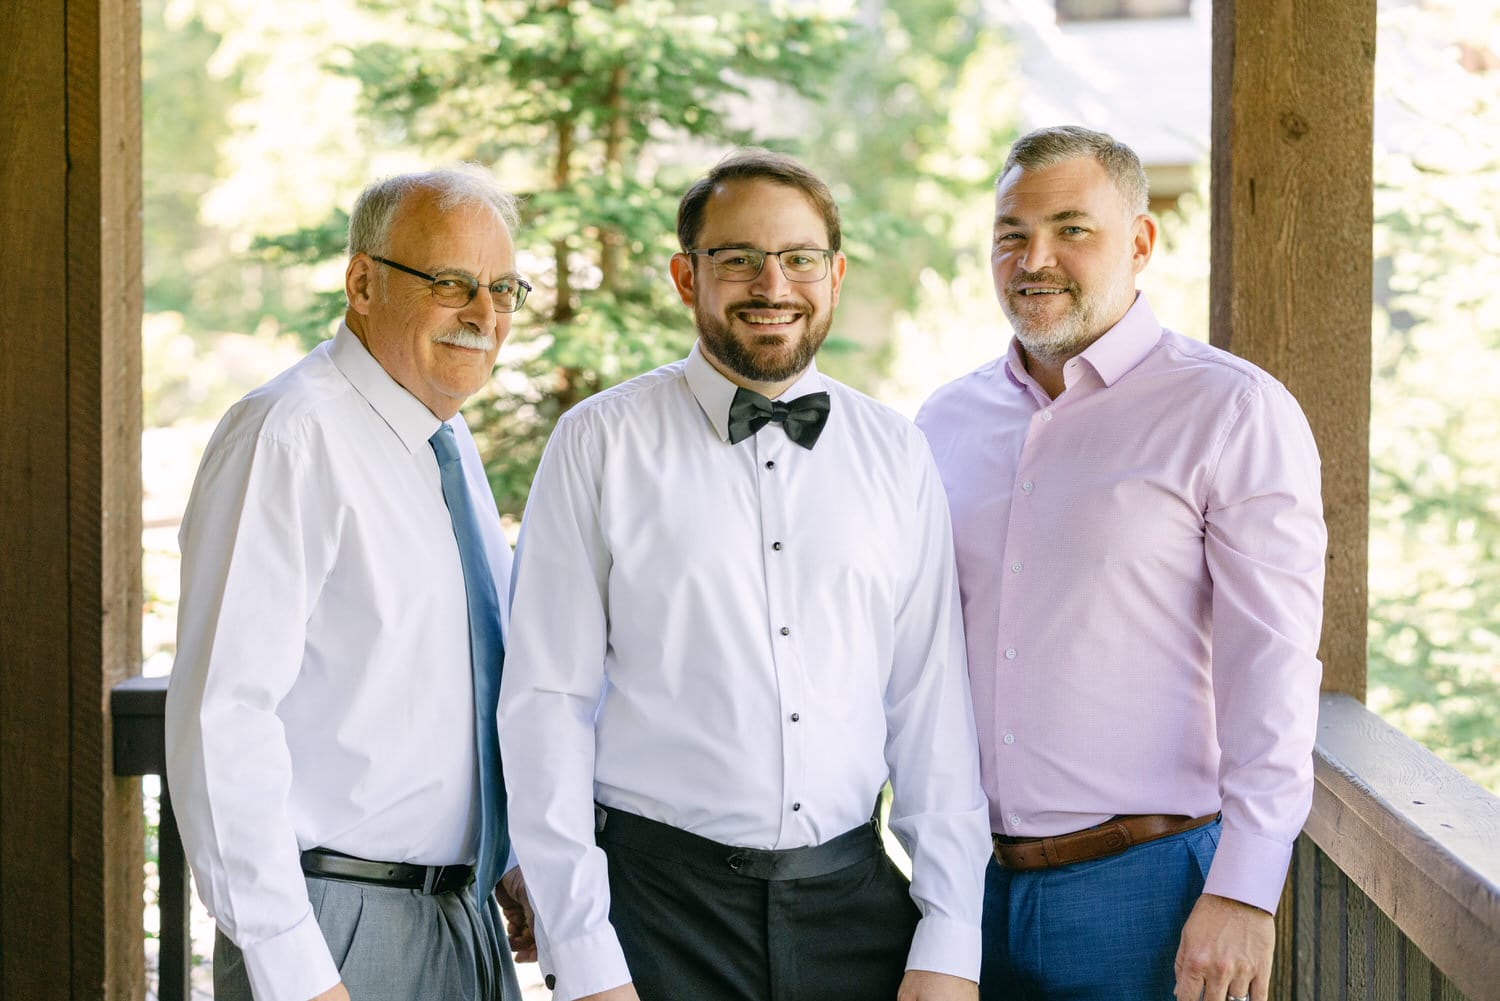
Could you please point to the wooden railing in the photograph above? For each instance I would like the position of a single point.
(1395, 886)
(1394, 893)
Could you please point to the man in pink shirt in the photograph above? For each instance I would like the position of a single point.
(1140, 553)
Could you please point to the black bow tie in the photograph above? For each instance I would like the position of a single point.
(802, 418)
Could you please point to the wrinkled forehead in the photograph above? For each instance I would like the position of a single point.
(424, 225)
(1080, 185)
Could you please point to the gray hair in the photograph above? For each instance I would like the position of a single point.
(1048, 147)
(464, 184)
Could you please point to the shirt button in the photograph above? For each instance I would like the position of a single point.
(776, 546)
(1046, 415)
(785, 631)
(1009, 738)
(770, 463)
(796, 717)
(1026, 487)
(1010, 653)
(1015, 821)
(1015, 567)
(796, 807)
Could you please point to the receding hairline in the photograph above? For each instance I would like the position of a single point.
(1053, 145)
(447, 189)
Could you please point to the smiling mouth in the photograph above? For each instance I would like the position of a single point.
(1042, 291)
(769, 319)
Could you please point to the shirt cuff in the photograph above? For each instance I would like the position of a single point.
(588, 964)
(1249, 868)
(292, 966)
(943, 945)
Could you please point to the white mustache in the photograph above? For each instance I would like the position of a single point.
(462, 338)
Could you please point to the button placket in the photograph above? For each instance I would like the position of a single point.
(773, 465)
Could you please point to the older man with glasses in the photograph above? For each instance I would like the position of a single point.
(736, 615)
(331, 717)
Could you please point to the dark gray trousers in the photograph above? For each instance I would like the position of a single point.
(706, 933)
(397, 945)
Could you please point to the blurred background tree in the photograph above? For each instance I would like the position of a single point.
(601, 112)
(261, 116)
(1434, 640)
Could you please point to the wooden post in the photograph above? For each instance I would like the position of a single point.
(70, 419)
(1290, 282)
(1290, 287)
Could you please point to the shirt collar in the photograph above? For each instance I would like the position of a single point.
(402, 412)
(1118, 350)
(715, 393)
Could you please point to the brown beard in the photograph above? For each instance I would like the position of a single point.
(744, 359)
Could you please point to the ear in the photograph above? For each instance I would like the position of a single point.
(1143, 241)
(682, 277)
(359, 283)
(836, 276)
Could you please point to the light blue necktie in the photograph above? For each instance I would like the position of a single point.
(487, 654)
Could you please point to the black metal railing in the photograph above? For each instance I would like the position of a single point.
(138, 707)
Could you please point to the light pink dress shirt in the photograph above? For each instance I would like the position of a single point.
(1141, 569)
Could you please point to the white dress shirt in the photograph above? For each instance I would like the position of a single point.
(322, 692)
(1141, 561)
(741, 641)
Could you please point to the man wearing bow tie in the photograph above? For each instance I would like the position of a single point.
(735, 617)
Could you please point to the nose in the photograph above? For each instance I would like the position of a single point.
(772, 282)
(1039, 254)
(479, 315)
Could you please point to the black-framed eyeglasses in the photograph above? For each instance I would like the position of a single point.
(743, 264)
(457, 289)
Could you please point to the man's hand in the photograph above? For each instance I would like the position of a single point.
(924, 985)
(520, 930)
(625, 992)
(1225, 952)
(335, 993)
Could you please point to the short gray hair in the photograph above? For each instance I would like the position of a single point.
(1056, 144)
(463, 184)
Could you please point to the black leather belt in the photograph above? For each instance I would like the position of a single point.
(430, 879)
(627, 830)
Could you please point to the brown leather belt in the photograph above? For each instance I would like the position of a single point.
(1109, 838)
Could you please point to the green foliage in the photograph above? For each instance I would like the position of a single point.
(310, 245)
(599, 113)
(184, 126)
(910, 134)
(1434, 639)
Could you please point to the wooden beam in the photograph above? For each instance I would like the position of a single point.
(1290, 278)
(70, 418)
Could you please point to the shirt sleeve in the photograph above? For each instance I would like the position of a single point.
(938, 810)
(550, 692)
(1264, 542)
(247, 560)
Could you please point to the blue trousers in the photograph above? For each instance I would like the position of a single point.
(1106, 929)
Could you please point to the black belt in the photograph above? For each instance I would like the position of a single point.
(430, 879)
(626, 830)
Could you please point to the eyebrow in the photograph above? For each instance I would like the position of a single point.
(469, 274)
(746, 245)
(1063, 216)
